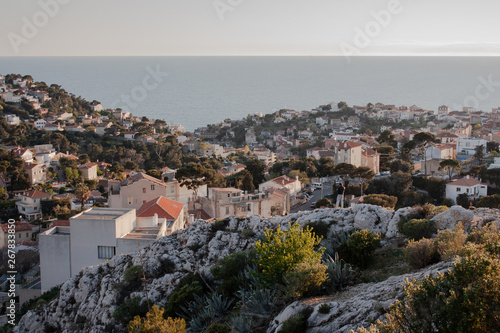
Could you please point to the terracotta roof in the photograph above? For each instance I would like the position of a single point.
(19, 227)
(199, 214)
(165, 208)
(275, 191)
(349, 145)
(283, 180)
(141, 175)
(466, 182)
(87, 165)
(60, 223)
(34, 194)
(30, 166)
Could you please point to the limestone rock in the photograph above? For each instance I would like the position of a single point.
(448, 219)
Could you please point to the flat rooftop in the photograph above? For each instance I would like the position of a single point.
(100, 213)
(143, 233)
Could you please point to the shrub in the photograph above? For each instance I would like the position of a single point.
(320, 228)
(463, 299)
(167, 266)
(282, 250)
(450, 243)
(247, 233)
(297, 323)
(463, 200)
(421, 253)
(382, 200)
(132, 307)
(490, 201)
(359, 248)
(417, 229)
(220, 225)
(488, 236)
(305, 279)
(324, 308)
(218, 328)
(436, 187)
(154, 322)
(184, 292)
(323, 202)
(340, 273)
(447, 202)
(227, 270)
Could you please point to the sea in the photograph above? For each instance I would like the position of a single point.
(197, 91)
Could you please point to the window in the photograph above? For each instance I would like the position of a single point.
(152, 187)
(27, 235)
(129, 200)
(458, 189)
(227, 210)
(172, 190)
(143, 190)
(106, 252)
(20, 235)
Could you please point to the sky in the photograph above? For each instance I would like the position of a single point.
(249, 27)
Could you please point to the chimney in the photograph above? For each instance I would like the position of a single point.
(467, 177)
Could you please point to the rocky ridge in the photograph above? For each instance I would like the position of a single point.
(87, 301)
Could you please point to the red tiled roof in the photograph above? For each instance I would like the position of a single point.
(199, 214)
(60, 223)
(30, 166)
(34, 194)
(165, 208)
(283, 180)
(87, 165)
(466, 182)
(349, 145)
(19, 227)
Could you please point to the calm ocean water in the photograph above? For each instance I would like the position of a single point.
(204, 90)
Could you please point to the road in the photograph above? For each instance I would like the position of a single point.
(327, 190)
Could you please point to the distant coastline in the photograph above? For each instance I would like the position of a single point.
(201, 90)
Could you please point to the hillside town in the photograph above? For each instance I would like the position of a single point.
(85, 183)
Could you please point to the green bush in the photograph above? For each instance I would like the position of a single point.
(450, 243)
(247, 233)
(218, 328)
(488, 237)
(463, 299)
(282, 251)
(463, 200)
(324, 308)
(382, 200)
(297, 323)
(417, 229)
(305, 279)
(323, 202)
(132, 307)
(220, 225)
(421, 253)
(184, 292)
(228, 269)
(359, 248)
(490, 201)
(320, 228)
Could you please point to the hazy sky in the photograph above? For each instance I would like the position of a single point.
(249, 27)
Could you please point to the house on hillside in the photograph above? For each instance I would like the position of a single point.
(36, 172)
(140, 188)
(470, 186)
(162, 210)
(291, 185)
(21, 231)
(29, 204)
(89, 171)
(93, 237)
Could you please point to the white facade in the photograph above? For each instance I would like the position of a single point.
(472, 187)
(40, 123)
(94, 236)
(12, 119)
(467, 146)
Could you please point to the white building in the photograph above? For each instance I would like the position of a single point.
(472, 187)
(467, 146)
(30, 205)
(93, 237)
(40, 123)
(12, 119)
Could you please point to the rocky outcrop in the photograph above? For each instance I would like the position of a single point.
(358, 306)
(449, 218)
(87, 301)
